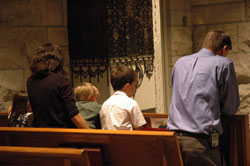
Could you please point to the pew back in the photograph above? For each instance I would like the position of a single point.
(155, 120)
(147, 148)
(4, 119)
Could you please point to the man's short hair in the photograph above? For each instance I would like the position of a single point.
(216, 40)
(121, 76)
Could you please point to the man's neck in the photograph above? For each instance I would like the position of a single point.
(215, 52)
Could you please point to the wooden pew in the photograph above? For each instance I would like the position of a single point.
(122, 148)
(148, 116)
(155, 120)
(4, 119)
(29, 156)
(235, 142)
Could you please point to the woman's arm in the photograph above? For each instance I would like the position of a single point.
(9, 109)
(80, 122)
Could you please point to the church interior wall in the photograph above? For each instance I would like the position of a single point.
(179, 29)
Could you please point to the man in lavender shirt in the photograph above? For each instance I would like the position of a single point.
(204, 88)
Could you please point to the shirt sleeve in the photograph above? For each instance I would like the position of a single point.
(137, 117)
(229, 93)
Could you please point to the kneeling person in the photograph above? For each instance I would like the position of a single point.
(120, 111)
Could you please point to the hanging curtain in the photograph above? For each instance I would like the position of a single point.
(106, 33)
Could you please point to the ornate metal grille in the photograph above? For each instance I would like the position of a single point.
(104, 33)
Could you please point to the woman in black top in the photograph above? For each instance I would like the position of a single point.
(50, 92)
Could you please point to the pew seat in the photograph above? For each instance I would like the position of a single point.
(4, 119)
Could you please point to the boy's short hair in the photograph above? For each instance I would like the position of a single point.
(121, 76)
(83, 91)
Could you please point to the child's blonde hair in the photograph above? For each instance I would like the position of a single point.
(84, 91)
(96, 90)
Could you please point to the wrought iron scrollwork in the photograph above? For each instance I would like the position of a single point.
(143, 65)
(82, 72)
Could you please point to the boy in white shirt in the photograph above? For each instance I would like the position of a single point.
(120, 111)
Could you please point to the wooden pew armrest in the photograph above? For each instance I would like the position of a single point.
(19, 155)
(42, 151)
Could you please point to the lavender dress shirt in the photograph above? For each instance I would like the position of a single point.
(204, 88)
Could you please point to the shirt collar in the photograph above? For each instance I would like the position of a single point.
(120, 93)
(206, 51)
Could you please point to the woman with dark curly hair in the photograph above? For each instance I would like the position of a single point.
(50, 92)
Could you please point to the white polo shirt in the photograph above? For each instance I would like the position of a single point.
(120, 112)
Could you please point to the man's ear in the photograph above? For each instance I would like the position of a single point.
(224, 48)
(224, 51)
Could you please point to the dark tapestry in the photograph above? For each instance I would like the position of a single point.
(109, 31)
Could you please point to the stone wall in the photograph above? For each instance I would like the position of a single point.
(178, 41)
(24, 25)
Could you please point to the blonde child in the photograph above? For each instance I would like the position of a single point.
(86, 101)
